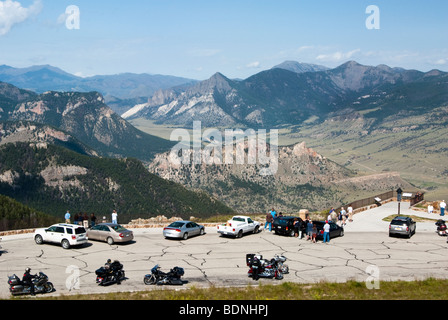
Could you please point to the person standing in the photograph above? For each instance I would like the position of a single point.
(344, 216)
(67, 217)
(314, 233)
(399, 194)
(269, 220)
(326, 232)
(274, 213)
(92, 220)
(309, 230)
(85, 221)
(350, 213)
(442, 208)
(115, 217)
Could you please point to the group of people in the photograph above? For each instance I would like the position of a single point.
(83, 219)
(442, 206)
(342, 217)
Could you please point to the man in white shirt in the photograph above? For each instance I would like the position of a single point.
(326, 232)
(114, 217)
(350, 213)
(442, 208)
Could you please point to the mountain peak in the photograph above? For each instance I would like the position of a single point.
(217, 82)
(299, 67)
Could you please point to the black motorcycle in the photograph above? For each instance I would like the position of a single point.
(161, 278)
(441, 228)
(261, 268)
(41, 285)
(112, 273)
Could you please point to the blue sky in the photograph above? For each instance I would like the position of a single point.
(196, 38)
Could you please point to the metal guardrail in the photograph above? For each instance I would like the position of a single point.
(416, 198)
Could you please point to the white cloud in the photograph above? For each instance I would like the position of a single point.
(12, 12)
(337, 56)
(255, 64)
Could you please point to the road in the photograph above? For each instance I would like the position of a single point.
(220, 261)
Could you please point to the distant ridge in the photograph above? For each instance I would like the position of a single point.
(298, 67)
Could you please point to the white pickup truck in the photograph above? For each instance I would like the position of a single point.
(238, 226)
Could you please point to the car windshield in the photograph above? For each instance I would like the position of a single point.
(176, 225)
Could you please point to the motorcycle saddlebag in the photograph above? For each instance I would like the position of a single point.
(14, 280)
(250, 258)
(178, 271)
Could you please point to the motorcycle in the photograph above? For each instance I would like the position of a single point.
(280, 263)
(41, 285)
(110, 274)
(161, 278)
(261, 268)
(441, 228)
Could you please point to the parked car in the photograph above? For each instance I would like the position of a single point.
(183, 230)
(335, 230)
(285, 225)
(404, 226)
(111, 233)
(67, 235)
(238, 226)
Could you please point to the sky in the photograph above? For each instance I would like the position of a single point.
(239, 38)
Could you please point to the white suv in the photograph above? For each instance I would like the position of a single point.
(66, 234)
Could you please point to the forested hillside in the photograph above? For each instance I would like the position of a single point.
(54, 179)
(14, 216)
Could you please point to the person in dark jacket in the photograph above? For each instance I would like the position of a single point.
(28, 280)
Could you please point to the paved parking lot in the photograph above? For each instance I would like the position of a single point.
(220, 261)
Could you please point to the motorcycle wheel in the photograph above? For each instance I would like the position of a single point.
(49, 288)
(150, 280)
(285, 269)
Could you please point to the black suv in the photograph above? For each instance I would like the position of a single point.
(403, 226)
(285, 226)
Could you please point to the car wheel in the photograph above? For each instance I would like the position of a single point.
(185, 237)
(256, 230)
(240, 234)
(65, 244)
(38, 239)
(341, 234)
(202, 232)
(110, 241)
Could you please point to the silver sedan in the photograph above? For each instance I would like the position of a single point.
(183, 230)
(110, 233)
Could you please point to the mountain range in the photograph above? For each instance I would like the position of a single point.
(280, 97)
(377, 123)
(121, 91)
(83, 115)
